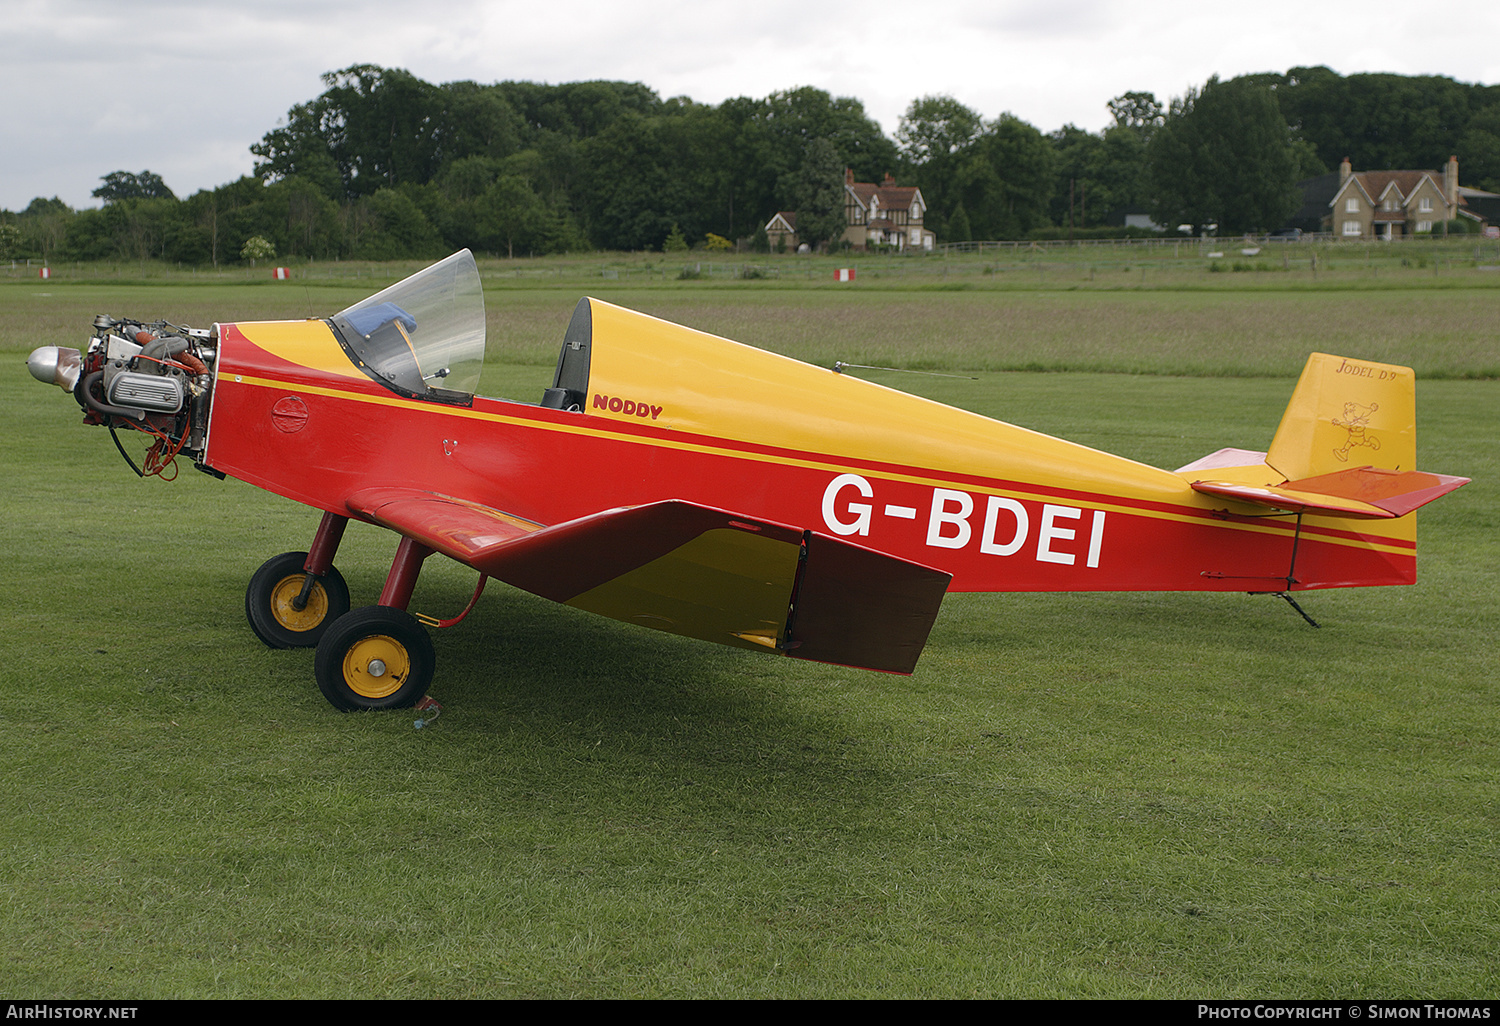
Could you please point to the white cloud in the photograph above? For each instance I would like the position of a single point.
(183, 87)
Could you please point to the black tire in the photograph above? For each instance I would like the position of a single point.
(375, 657)
(268, 602)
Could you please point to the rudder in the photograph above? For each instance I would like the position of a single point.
(1347, 413)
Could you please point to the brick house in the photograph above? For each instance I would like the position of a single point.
(1391, 204)
(885, 214)
(781, 231)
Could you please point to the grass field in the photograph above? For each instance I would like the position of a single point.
(1100, 795)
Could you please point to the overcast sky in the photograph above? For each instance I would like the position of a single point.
(183, 87)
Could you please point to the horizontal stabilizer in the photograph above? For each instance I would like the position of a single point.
(1360, 493)
(693, 570)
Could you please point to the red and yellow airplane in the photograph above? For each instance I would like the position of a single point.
(691, 484)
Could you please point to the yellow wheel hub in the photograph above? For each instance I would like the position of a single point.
(287, 589)
(377, 666)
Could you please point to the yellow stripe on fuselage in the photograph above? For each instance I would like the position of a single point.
(600, 427)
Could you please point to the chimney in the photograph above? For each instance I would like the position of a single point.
(1345, 170)
(848, 176)
(1450, 186)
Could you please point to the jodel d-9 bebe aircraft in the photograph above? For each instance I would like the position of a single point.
(691, 484)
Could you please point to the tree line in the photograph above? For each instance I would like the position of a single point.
(384, 165)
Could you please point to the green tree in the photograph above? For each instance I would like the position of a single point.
(122, 185)
(300, 149)
(958, 225)
(302, 220)
(817, 192)
(257, 248)
(1077, 191)
(1005, 179)
(45, 224)
(390, 225)
(237, 213)
(1225, 155)
(575, 110)
(11, 241)
(1378, 121)
(510, 212)
(562, 234)
(1478, 151)
(935, 135)
(635, 186)
(476, 121)
(747, 158)
(1095, 175)
(374, 127)
(792, 119)
(936, 127)
(126, 229)
(1140, 113)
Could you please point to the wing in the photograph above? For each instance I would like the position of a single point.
(692, 570)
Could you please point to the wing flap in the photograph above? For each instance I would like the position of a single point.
(858, 607)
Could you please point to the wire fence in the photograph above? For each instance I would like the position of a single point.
(1045, 258)
(1179, 243)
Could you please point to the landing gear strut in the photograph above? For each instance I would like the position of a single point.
(379, 657)
(294, 597)
(272, 606)
(375, 657)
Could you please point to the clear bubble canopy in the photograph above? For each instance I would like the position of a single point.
(423, 336)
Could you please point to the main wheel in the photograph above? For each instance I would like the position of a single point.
(270, 602)
(375, 657)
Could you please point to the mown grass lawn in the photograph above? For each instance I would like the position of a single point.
(1075, 795)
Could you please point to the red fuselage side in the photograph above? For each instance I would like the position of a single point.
(318, 437)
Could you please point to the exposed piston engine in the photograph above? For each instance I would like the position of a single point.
(153, 377)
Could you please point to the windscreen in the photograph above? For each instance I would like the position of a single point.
(423, 336)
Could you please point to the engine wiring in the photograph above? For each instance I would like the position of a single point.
(162, 456)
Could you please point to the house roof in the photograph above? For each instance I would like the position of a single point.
(1354, 182)
(885, 196)
(898, 197)
(788, 219)
(1375, 184)
(1407, 182)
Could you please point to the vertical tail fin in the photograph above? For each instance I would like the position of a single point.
(1347, 413)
